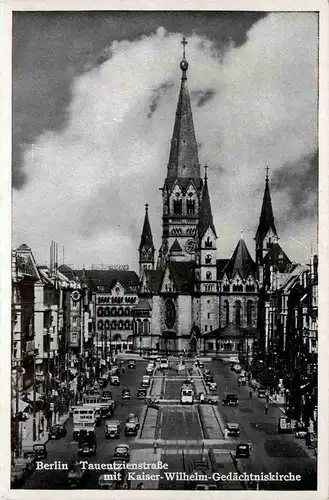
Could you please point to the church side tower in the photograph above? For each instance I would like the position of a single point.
(183, 184)
(146, 247)
(206, 268)
(266, 234)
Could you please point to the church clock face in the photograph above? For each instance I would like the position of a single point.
(190, 246)
(170, 314)
(164, 247)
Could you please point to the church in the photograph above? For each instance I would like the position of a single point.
(194, 302)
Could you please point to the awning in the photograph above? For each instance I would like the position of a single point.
(29, 396)
(22, 405)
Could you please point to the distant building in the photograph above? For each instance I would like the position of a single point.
(114, 294)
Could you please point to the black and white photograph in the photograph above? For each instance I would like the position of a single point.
(164, 254)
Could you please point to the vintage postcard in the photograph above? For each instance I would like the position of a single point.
(167, 256)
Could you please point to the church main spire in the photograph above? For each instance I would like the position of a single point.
(183, 158)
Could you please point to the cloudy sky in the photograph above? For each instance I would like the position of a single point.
(94, 100)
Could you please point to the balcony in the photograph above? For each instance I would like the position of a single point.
(29, 347)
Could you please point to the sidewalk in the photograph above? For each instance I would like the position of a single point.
(27, 440)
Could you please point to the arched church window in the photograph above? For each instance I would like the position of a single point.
(208, 275)
(170, 314)
(208, 259)
(190, 207)
(178, 205)
(227, 312)
(249, 312)
(208, 243)
(238, 313)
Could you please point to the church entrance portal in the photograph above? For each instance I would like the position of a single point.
(193, 345)
(168, 344)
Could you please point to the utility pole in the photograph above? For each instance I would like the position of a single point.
(34, 433)
(17, 411)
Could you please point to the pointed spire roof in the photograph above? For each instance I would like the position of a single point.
(146, 238)
(205, 217)
(266, 220)
(240, 262)
(183, 158)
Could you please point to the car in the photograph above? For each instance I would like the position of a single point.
(146, 381)
(230, 400)
(40, 451)
(208, 379)
(132, 417)
(126, 394)
(114, 380)
(131, 363)
(131, 429)
(261, 393)
(18, 474)
(141, 393)
(87, 447)
(122, 451)
(57, 431)
(112, 429)
(27, 462)
(106, 483)
(117, 464)
(212, 399)
(149, 370)
(243, 450)
(164, 365)
(233, 429)
(212, 386)
(300, 432)
(76, 474)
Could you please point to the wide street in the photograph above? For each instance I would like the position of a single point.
(188, 432)
(65, 449)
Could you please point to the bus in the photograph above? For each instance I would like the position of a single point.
(84, 419)
(186, 394)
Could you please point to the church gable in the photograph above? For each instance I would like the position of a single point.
(209, 239)
(168, 284)
(144, 288)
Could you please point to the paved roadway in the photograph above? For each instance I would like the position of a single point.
(272, 452)
(65, 449)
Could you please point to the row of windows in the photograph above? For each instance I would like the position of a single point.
(117, 300)
(113, 311)
(114, 325)
(238, 288)
(237, 312)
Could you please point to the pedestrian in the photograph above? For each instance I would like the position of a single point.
(266, 409)
(42, 422)
(225, 433)
(250, 394)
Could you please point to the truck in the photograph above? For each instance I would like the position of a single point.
(84, 418)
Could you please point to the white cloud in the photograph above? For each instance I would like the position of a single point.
(89, 182)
